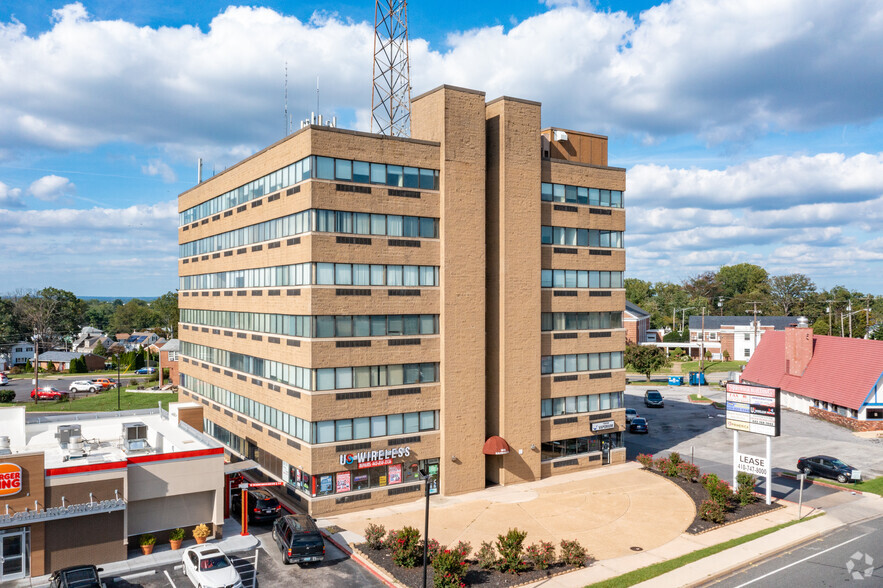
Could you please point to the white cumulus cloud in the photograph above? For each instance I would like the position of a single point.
(51, 188)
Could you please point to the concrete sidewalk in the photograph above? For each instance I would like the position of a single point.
(162, 555)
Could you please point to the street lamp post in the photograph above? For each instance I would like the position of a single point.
(426, 478)
(118, 381)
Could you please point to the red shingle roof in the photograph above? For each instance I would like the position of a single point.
(842, 371)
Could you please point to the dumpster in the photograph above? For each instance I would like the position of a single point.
(676, 380)
(697, 379)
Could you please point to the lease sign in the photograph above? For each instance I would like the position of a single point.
(10, 479)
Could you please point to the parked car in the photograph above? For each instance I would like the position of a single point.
(826, 467)
(262, 506)
(630, 413)
(208, 567)
(105, 383)
(85, 576)
(653, 399)
(48, 393)
(639, 425)
(146, 370)
(84, 386)
(298, 538)
(3, 380)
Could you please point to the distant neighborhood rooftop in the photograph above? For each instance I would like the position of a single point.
(716, 322)
(635, 310)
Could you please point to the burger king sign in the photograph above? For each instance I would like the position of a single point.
(10, 479)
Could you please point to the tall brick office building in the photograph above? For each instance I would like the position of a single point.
(356, 307)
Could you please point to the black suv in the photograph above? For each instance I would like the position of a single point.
(298, 538)
(826, 467)
(262, 506)
(76, 577)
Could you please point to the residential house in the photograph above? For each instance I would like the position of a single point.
(636, 322)
(837, 379)
(168, 359)
(20, 353)
(61, 360)
(737, 335)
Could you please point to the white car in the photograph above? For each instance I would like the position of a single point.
(630, 413)
(84, 386)
(3, 379)
(208, 567)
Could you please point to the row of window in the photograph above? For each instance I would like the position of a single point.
(554, 278)
(325, 221)
(580, 321)
(321, 431)
(577, 404)
(340, 378)
(579, 195)
(579, 446)
(305, 274)
(580, 362)
(376, 325)
(580, 237)
(323, 168)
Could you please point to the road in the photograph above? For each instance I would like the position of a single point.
(337, 571)
(23, 386)
(852, 554)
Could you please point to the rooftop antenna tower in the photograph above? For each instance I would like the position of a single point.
(287, 117)
(391, 93)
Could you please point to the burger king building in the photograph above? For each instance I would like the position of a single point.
(80, 490)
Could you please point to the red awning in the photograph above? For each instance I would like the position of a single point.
(495, 445)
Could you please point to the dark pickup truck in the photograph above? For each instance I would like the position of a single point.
(299, 539)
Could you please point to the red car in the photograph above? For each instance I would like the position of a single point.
(48, 393)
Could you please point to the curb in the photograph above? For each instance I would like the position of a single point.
(364, 561)
(816, 481)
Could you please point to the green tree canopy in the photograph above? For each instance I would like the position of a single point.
(645, 359)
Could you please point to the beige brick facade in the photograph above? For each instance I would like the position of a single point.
(487, 303)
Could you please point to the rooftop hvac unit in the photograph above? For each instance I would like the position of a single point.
(75, 448)
(135, 437)
(559, 135)
(65, 432)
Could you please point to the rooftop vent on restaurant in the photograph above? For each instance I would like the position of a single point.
(135, 436)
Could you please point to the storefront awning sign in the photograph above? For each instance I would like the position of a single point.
(10, 479)
(495, 445)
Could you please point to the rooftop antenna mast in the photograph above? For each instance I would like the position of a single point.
(391, 92)
(287, 117)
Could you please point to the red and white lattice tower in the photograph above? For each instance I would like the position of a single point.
(391, 94)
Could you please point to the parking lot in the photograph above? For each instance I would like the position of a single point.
(23, 386)
(699, 430)
(337, 571)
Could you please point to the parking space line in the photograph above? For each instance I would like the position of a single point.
(171, 582)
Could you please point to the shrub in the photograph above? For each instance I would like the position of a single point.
(541, 555)
(390, 538)
(675, 457)
(709, 480)
(746, 483)
(176, 534)
(688, 471)
(487, 556)
(573, 554)
(147, 539)
(511, 549)
(721, 492)
(433, 549)
(464, 548)
(646, 460)
(7, 395)
(448, 568)
(201, 530)
(711, 510)
(667, 467)
(406, 549)
(374, 536)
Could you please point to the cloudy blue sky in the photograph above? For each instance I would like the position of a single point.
(751, 130)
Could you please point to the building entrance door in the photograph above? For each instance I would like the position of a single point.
(13, 554)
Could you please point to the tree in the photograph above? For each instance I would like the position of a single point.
(166, 310)
(134, 315)
(787, 291)
(99, 350)
(645, 359)
(742, 278)
(705, 287)
(726, 355)
(638, 291)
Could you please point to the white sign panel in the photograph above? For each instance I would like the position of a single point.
(753, 409)
(603, 426)
(756, 466)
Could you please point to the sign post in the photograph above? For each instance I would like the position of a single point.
(754, 409)
(244, 486)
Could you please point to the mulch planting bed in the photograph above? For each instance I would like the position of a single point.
(475, 576)
(698, 493)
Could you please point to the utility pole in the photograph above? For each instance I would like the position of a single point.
(849, 312)
(755, 311)
(830, 302)
(702, 352)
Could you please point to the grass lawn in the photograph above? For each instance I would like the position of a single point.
(90, 375)
(872, 486)
(652, 571)
(696, 397)
(103, 402)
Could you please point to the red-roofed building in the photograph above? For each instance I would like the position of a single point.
(834, 378)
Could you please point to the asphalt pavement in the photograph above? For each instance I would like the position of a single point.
(852, 554)
(23, 386)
